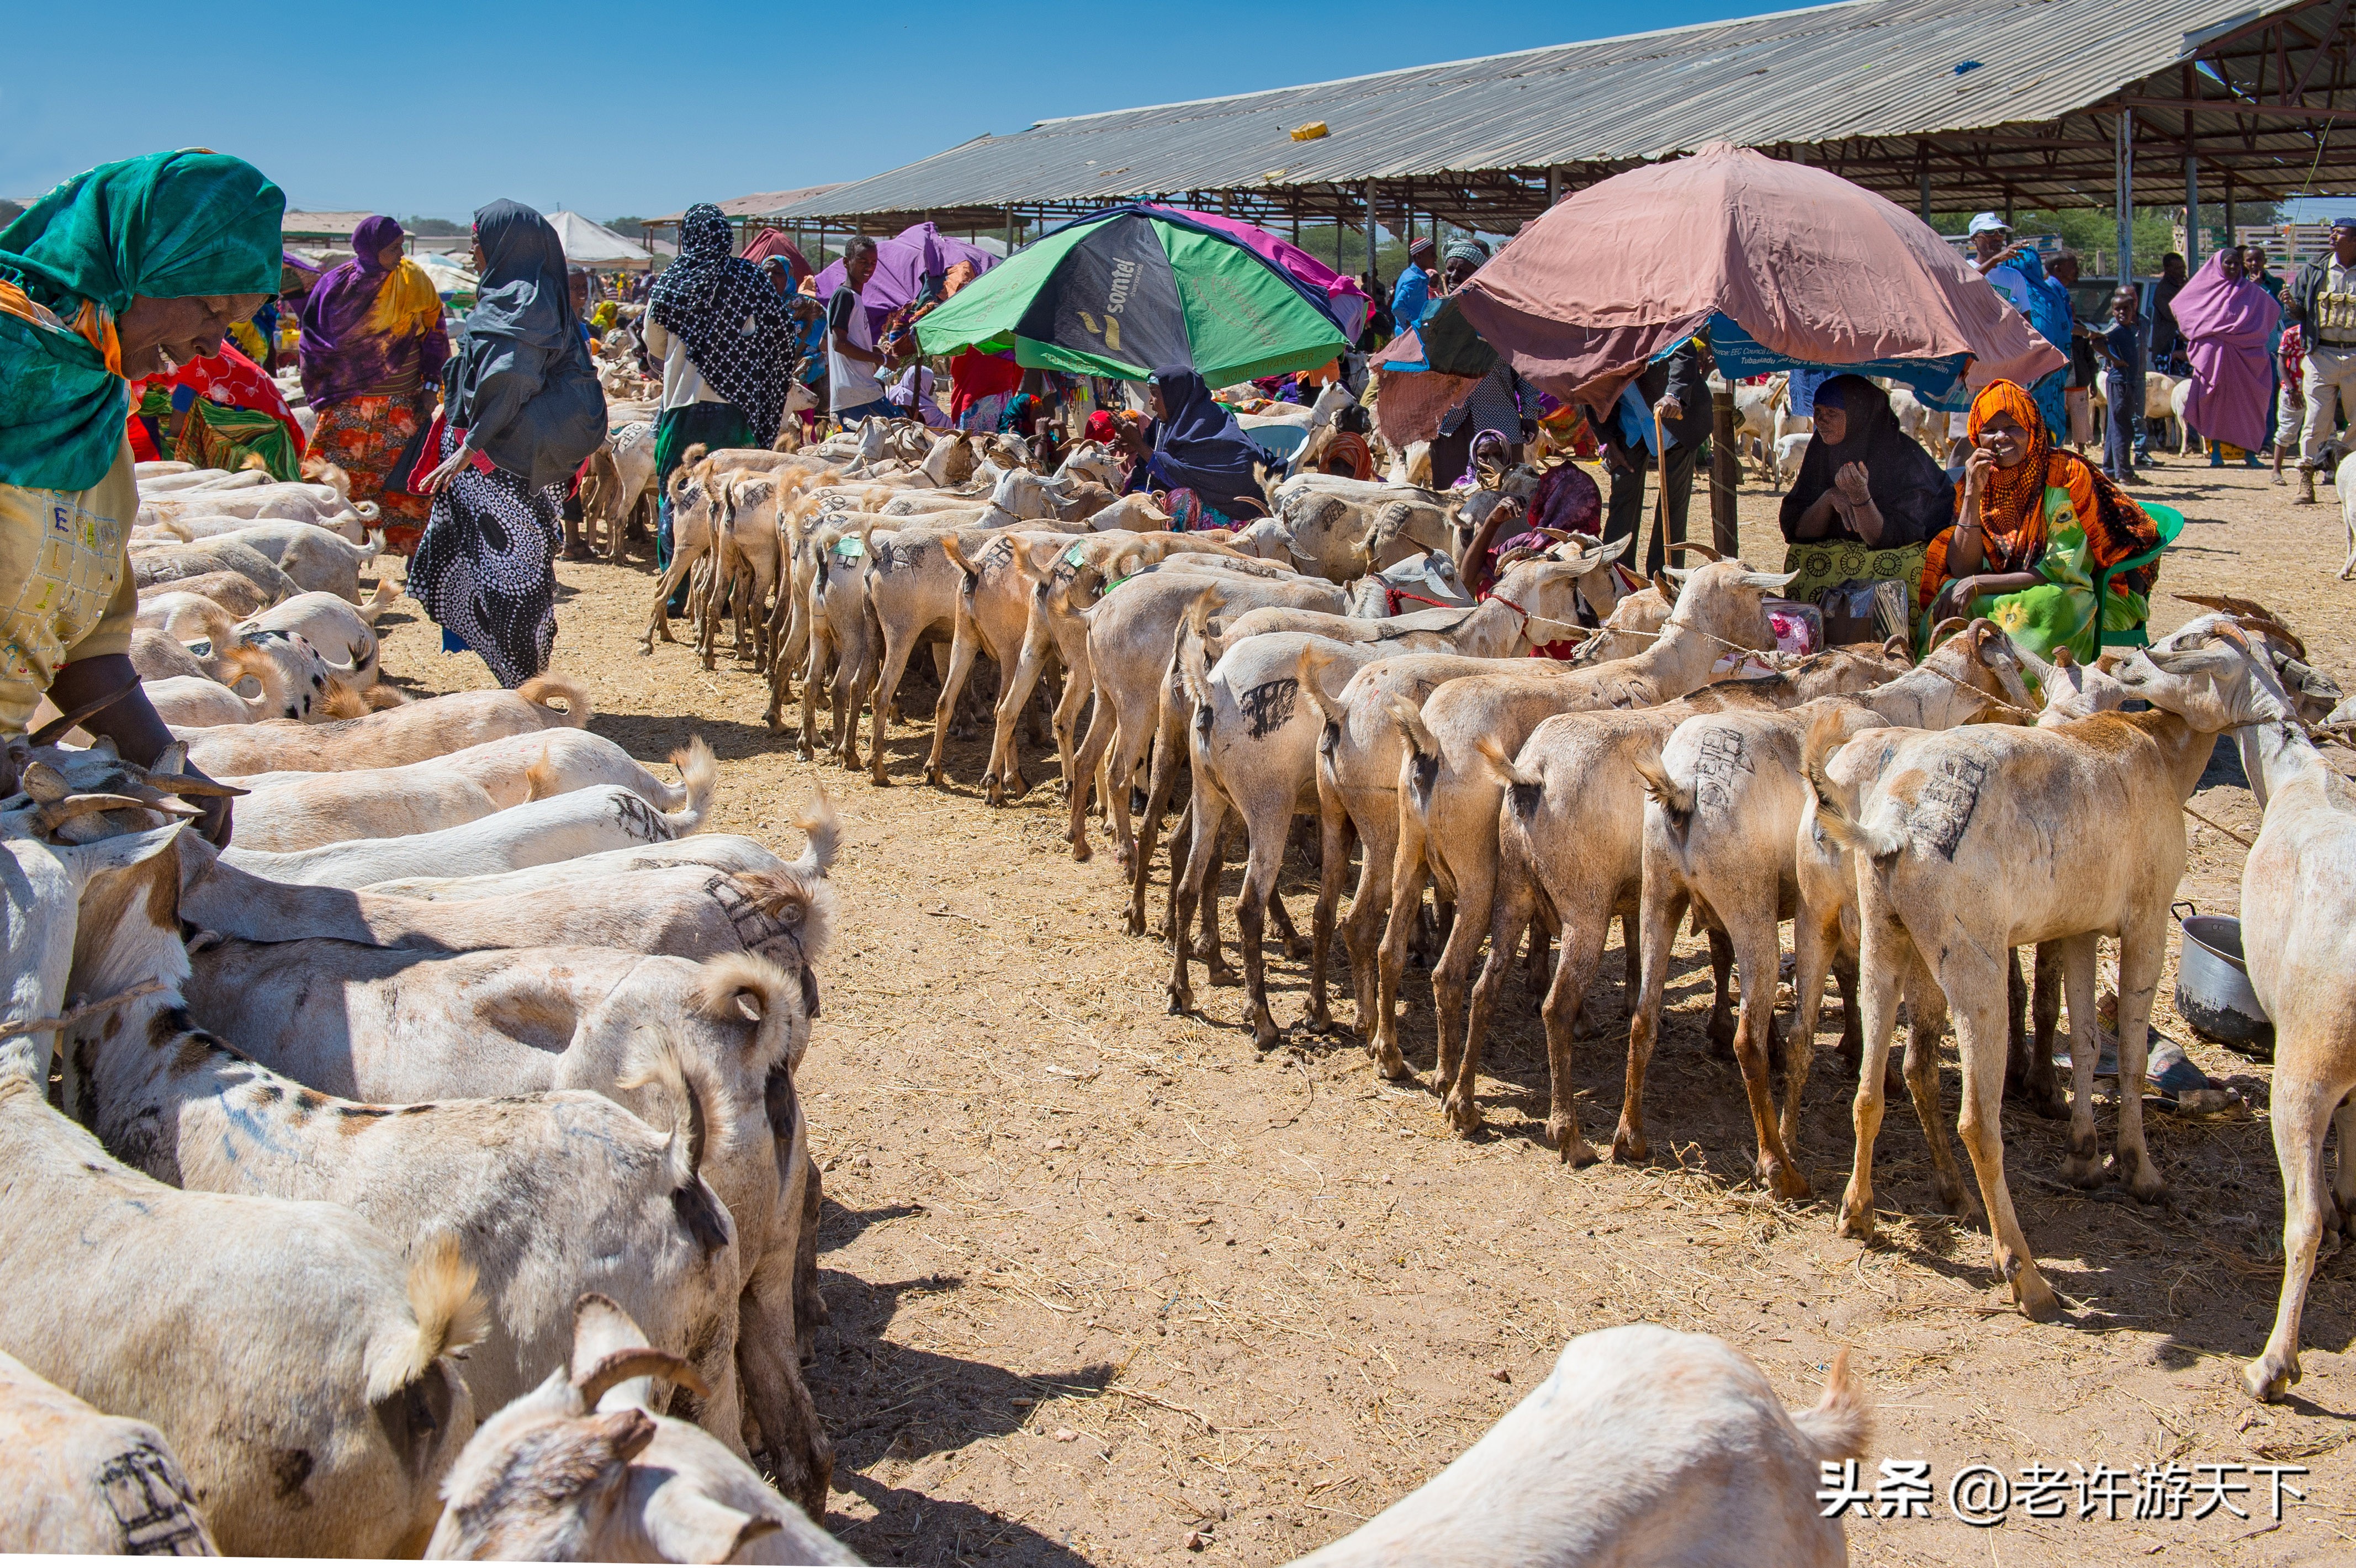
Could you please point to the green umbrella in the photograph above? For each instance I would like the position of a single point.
(1126, 292)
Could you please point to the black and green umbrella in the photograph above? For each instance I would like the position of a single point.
(1125, 291)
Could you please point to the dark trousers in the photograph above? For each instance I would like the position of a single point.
(1624, 512)
(713, 425)
(2122, 432)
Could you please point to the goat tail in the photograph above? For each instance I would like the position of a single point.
(380, 696)
(1841, 1424)
(575, 697)
(699, 777)
(344, 700)
(541, 780)
(386, 591)
(1315, 662)
(1502, 764)
(955, 553)
(1418, 735)
(447, 1317)
(662, 1066)
(1676, 799)
(823, 830)
(1837, 808)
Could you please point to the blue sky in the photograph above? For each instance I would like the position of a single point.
(610, 109)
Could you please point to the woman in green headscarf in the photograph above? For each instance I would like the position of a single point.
(130, 270)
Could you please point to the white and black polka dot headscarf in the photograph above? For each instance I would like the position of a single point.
(733, 322)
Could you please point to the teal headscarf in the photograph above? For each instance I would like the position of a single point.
(166, 226)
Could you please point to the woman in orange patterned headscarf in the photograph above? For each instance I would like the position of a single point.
(2033, 524)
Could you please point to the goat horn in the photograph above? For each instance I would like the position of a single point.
(642, 1362)
(1703, 550)
(57, 814)
(48, 733)
(44, 782)
(188, 785)
(1944, 630)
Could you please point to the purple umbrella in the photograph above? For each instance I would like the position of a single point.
(906, 266)
(1343, 293)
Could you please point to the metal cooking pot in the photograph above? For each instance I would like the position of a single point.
(2212, 983)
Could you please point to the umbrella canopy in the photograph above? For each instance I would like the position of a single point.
(449, 277)
(1345, 296)
(1124, 292)
(907, 266)
(1784, 264)
(771, 242)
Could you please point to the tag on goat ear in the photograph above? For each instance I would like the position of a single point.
(1074, 557)
(850, 547)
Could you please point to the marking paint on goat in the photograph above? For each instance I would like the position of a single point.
(1717, 760)
(997, 558)
(1944, 810)
(638, 819)
(144, 1493)
(1269, 706)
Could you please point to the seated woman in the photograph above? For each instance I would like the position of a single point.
(2034, 524)
(1202, 461)
(1864, 479)
(220, 411)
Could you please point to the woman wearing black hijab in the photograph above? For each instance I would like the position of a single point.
(521, 411)
(1863, 479)
(1199, 448)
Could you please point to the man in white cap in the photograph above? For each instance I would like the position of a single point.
(1992, 247)
(2325, 291)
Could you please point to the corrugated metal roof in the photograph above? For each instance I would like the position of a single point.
(1825, 74)
(760, 204)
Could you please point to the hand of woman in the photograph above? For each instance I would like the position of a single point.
(1851, 483)
(444, 471)
(1954, 599)
(1977, 468)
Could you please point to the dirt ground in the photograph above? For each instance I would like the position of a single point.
(1113, 1288)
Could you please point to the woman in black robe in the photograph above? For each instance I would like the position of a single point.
(1864, 480)
(521, 410)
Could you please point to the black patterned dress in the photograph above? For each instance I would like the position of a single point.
(485, 568)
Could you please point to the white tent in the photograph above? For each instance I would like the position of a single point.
(449, 277)
(588, 244)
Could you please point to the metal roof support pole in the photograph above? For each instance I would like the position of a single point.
(1370, 228)
(1010, 231)
(1553, 185)
(2191, 201)
(2125, 175)
(1923, 174)
(2233, 237)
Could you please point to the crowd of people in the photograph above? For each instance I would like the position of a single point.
(468, 441)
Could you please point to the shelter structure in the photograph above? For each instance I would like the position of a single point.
(592, 244)
(748, 215)
(1937, 104)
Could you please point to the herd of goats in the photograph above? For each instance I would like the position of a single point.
(432, 1159)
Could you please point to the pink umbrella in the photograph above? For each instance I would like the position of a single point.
(1807, 267)
(1343, 293)
(903, 264)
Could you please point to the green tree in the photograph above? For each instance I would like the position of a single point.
(628, 228)
(434, 227)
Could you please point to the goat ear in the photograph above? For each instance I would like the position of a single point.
(2063, 658)
(689, 1527)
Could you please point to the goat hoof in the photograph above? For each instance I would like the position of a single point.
(1562, 1136)
(1785, 1180)
(1856, 1218)
(1320, 1023)
(1390, 1063)
(2038, 1303)
(1222, 975)
(2082, 1170)
(1628, 1145)
(2269, 1377)
(1463, 1112)
(1181, 1002)
(1016, 787)
(1721, 1037)
(1267, 1038)
(1135, 924)
(1080, 850)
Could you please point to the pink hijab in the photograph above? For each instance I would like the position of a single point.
(2230, 331)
